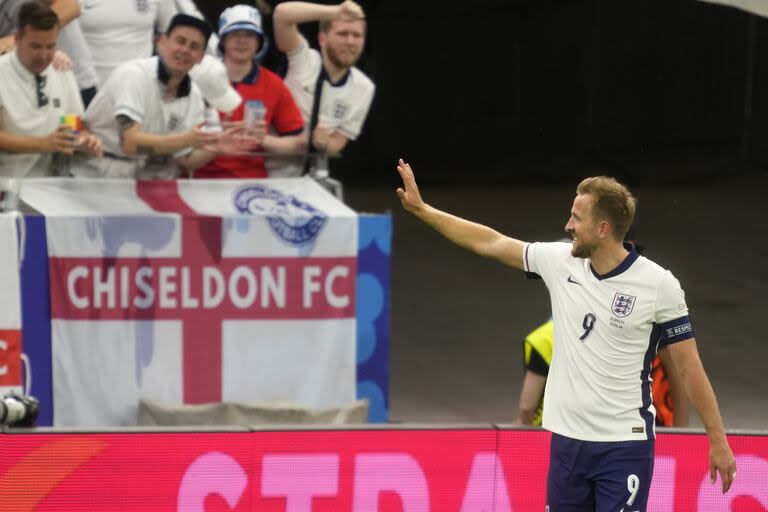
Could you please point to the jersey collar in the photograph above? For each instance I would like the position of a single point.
(185, 87)
(622, 267)
(252, 76)
(341, 81)
(23, 72)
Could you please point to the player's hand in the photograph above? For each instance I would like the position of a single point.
(721, 461)
(89, 143)
(349, 11)
(61, 140)
(61, 61)
(409, 194)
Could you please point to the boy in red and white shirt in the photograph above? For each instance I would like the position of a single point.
(243, 44)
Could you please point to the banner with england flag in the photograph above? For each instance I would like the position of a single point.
(189, 292)
(10, 309)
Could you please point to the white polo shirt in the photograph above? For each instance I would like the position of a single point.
(20, 114)
(607, 331)
(136, 90)
(343, 106)
(121, 30)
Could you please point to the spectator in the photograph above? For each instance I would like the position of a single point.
(190, 7)
(243, 43)
(70, 42)
(66, 10)
(333, 95)
(150, 114)
(117, 31)
(34, 97)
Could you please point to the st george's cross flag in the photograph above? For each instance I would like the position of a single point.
(190, 292)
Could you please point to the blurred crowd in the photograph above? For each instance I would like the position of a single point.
(150, 89)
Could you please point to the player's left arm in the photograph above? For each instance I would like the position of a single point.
(685, 357)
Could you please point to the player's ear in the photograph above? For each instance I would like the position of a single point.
(606, 229)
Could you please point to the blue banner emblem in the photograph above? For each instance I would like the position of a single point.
(294, 221)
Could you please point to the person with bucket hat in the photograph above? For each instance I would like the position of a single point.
(268, 118)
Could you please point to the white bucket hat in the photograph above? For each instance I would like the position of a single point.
(242, 17)
(212, 79)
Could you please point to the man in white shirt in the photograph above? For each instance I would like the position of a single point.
(72, 50)
(150, 114)
(66, 10)
(612, 309)
(345, 93)
(117, 31)
(33, 99)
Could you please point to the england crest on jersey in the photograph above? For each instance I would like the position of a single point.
(622, 304)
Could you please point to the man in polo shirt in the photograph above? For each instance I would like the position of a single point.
(150, 114)
(72, 50)
(33, 99)
(330, 76)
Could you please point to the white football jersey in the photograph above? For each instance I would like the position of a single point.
(136, 90)
(117, 31)
(343, 106)
(607, 331)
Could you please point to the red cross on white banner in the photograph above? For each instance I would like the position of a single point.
(201, 289)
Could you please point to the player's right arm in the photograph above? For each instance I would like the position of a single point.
(470, 235)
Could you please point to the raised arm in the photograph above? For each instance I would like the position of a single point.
(66, 10)
(686, 359)
(470, 235)
(288, 15)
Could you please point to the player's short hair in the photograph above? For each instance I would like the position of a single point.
(37, 15)
(613, 202)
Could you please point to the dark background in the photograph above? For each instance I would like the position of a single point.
(525, 92)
